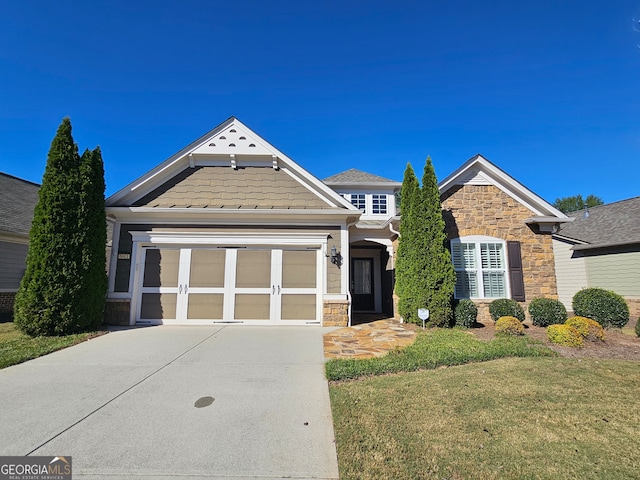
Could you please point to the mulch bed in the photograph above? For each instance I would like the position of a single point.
(617, 345)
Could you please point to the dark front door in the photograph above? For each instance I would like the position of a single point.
(362, 284)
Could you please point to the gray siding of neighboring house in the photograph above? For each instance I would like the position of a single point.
(619, 272)
(571, 271)
(13, 260)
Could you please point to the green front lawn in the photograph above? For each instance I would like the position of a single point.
(513, 418)
(16, 347)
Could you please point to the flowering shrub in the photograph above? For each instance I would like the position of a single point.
(465, 313)
(564, 335)
(547, 311)
(605, 307)
(509, 326)
(589, 329)
(506, 307)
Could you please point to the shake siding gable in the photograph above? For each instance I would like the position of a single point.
(224, 187)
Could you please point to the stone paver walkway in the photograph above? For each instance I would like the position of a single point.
(369, 339)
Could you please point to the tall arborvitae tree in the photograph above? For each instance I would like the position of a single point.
(406, 255)
(52, 299)
(424, 272)
(438, 279)
(92, 226)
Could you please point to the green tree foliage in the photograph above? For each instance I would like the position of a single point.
(424, 273)
(575, 203)
(63, 289)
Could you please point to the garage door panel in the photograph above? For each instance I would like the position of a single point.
(161, 267)
(250, 306)
(207, 268)
(298, 307)
(299, 269)
(157, 306)
(205, 306)
(253, 269)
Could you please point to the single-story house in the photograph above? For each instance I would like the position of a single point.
(232, 230)
(18, 199)
(601, 248)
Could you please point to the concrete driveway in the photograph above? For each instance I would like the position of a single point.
(177, 402)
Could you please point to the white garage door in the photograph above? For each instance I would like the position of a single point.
(261, 286)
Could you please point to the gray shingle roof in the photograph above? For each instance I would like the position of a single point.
(18, 198)
(616, 223)
(356, 176)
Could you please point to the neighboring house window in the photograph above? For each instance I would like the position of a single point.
(481, 270)
(379, 203)
(358, 200)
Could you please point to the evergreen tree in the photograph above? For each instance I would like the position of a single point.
(424, 272)
(92, 226)
(52, 299)
(575, 203)
(405, 258)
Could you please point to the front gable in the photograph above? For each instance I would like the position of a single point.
(230, 167)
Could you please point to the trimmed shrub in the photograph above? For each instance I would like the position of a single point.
(466, 313)
(506, 307)
(509, 326)
(547, 311)
(589, 329)
(564, 335)
(638, 328)
(605, 307)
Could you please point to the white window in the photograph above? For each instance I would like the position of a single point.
(480, 266)
(358, 200)
(379, 204)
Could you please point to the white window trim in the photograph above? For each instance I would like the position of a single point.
(477, 240)
(368, 203)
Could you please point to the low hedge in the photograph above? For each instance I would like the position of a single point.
(589, 329)
(547, 311)
(638, 328)
(605, 307)
(564, 335)
(509, 325)
(506, 307)
(465, 313)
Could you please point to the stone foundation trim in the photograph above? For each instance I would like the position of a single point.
(335, 313)
(116, 311)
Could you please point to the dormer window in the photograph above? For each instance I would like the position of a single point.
(358, 200)
(379, 204)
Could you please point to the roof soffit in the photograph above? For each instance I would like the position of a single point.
(480, 171)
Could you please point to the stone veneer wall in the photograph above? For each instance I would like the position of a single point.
(487, 210)
(335, 313)
(6, 305)
(116, 311)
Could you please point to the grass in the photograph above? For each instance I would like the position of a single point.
(436, 348)
(513, 418)
(16, 347)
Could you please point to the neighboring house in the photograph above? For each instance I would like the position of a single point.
(601, 248)
(18, 199)
(500, 234)
(231, 230)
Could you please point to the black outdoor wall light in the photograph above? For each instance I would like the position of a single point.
(336, 258)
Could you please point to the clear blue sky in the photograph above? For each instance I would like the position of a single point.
(547, 90)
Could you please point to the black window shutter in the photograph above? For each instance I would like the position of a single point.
(515, 271)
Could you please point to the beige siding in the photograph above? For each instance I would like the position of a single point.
(224, 187)
(12, 264)
(570, 271)
(619, 272)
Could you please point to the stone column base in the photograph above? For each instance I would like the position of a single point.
(335, 313)
(116, 311)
